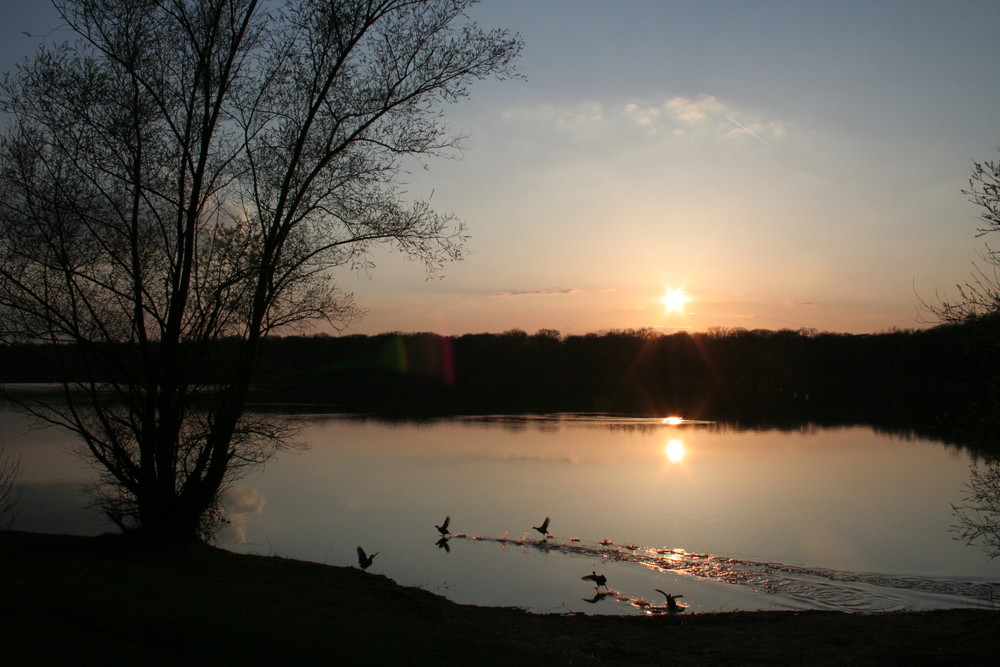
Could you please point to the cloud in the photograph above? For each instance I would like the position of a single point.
(665, 120)
(701, 116)
(586, 119)
(800, 304)
(537, 292)
(695, 110)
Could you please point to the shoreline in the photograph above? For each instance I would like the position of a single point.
(114, 599)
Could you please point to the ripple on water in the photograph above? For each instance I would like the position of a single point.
(795, 586)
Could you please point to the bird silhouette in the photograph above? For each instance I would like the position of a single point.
(443, 544)
(364, 560)
(544, 528)
(672, 605)
(598, 579)
(443, 528)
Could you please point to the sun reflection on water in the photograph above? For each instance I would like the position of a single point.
(674, 451)
(673, 421)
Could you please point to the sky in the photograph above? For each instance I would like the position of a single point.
(785, 164)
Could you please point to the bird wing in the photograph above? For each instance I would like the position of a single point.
(361, 555)
(446, 520)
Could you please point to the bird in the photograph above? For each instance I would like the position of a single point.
(671, 601)
(544, 528)
(443, 528)
(364, 560)
(598, 579)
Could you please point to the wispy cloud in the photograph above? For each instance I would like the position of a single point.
(537, 292)
(667, 119)
(800, 304)
(701, 116)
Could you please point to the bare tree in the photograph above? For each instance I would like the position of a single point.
(182, 181)
(979, 298)
(979, 513)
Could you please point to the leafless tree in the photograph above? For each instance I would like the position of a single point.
(183, 180)
(979, 513)
(979, 297)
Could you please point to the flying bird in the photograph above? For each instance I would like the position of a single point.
(672, 605)
(364, 560)
(443, 528)
(544, 528)
(598, 579)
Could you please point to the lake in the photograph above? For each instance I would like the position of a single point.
(846, 518)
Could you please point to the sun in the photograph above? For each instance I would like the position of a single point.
(675, 300)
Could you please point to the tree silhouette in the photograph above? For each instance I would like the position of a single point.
(10, 467)
(979, 297)
(979, 514)
(181, 181)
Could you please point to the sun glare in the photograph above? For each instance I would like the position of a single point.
(675, 300)
(674, 451)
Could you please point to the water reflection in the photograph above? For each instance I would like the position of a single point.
(598, 596)
(674, 451)
(813, 518)
(239, 505)
(795, 585)
(979, 512)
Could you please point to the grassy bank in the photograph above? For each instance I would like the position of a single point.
(111, 600)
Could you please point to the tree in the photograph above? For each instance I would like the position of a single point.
(182, 181)
(10, 467)
(979, 513)
(979, 298)
(976, 312)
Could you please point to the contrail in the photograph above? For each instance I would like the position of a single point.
(744, 127)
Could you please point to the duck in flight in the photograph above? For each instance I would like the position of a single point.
(544, 528)
(364, 560)
(443, 528)
(672, 605)
(598, 579)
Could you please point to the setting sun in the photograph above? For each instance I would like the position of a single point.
(675, 300)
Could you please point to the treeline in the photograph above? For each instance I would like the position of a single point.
(941, 381)
(934, 380)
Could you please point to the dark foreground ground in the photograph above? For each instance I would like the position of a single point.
(110, 600)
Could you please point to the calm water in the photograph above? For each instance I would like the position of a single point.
(831, 519)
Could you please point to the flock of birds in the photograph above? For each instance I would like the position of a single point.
(365, 561)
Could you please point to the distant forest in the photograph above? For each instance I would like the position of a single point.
(942, 382)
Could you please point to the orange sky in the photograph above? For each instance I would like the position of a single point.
(787, 164)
